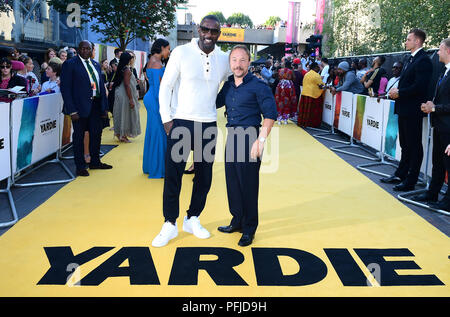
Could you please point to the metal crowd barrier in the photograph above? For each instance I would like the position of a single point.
(15, 173)
(383, 159)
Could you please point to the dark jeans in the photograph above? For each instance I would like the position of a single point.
(242, 178)
(410, 137)
(184, 137)
(94, 125)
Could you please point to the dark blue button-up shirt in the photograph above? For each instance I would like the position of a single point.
(246, 103)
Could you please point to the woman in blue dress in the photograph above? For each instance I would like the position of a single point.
(155, 136)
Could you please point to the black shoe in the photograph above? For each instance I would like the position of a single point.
(444, 204)
(229, 229)
(403, 187)
(425, 197)
(82, 172)
(101, 166)
(246, 240)
(391, 180)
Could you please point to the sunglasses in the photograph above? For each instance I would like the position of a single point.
(5, 66)
(205, 30)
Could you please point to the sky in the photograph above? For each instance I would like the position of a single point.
(258, 10)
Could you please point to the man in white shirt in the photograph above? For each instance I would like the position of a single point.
(187, 100)
(325, 70)
(396, 72)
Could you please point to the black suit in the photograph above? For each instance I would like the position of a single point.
(413, 91)
(78, 98)
(440, 120)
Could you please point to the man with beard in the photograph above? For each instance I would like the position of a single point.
(187, 100)
(246, 99)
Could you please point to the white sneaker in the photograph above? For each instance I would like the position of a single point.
(168, 232)
(193, 226)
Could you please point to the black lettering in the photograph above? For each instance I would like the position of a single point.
(387, 269)
(61, 257)
(141, 271)
(2, 144)
(187, 263)
(346, 268)
(269, 273)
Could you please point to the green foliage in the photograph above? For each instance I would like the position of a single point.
(122, 21)
(219, 15)
(272, 21)
(358, 27)
(240, 18)
(5, 5)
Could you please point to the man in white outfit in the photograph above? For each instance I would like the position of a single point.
(187, 100)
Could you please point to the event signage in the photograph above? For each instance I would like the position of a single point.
(328, 114)
(343, 119)
(383, 264)
(231, 35)
(35, 129)
(5, 157)
(368, 116)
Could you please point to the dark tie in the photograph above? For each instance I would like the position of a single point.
(91, 71)
(409, 62)
(443, 77)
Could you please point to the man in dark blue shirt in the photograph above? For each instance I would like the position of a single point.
(246, 98)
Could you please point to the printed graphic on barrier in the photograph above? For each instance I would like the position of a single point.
(5, 163)
(35, 129)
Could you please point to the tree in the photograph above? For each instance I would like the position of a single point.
(5, 5)
(219, 15)
(121, 22)
(272, 21)
(241, 19)
(360, 27)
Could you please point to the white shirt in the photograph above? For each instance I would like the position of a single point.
(324, 73)
(191, 82)
(52, 85)
(392, 83)
(34, 85)
(448, 68)
(83, 61)
(415, 52)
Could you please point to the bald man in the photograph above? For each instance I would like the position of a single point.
(84, 95)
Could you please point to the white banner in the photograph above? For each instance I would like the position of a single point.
(372, 123)
(328, 114)
(5, 151)
(35, 129)
(344, 112)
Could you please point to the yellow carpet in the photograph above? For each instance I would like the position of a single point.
(313, 202)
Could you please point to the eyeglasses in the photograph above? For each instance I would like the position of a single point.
(5, 66)
(205, 30)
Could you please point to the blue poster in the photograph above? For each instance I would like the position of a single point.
(26, 133)
(391, 134)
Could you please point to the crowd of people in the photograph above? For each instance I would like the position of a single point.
(408, 87)
(315, 74)
(175, 101)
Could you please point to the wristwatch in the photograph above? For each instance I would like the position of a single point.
(262, 139)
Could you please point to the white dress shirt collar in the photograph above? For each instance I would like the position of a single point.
(415, 52)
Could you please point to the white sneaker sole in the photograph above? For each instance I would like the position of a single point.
(159, 244)
(187, 228)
